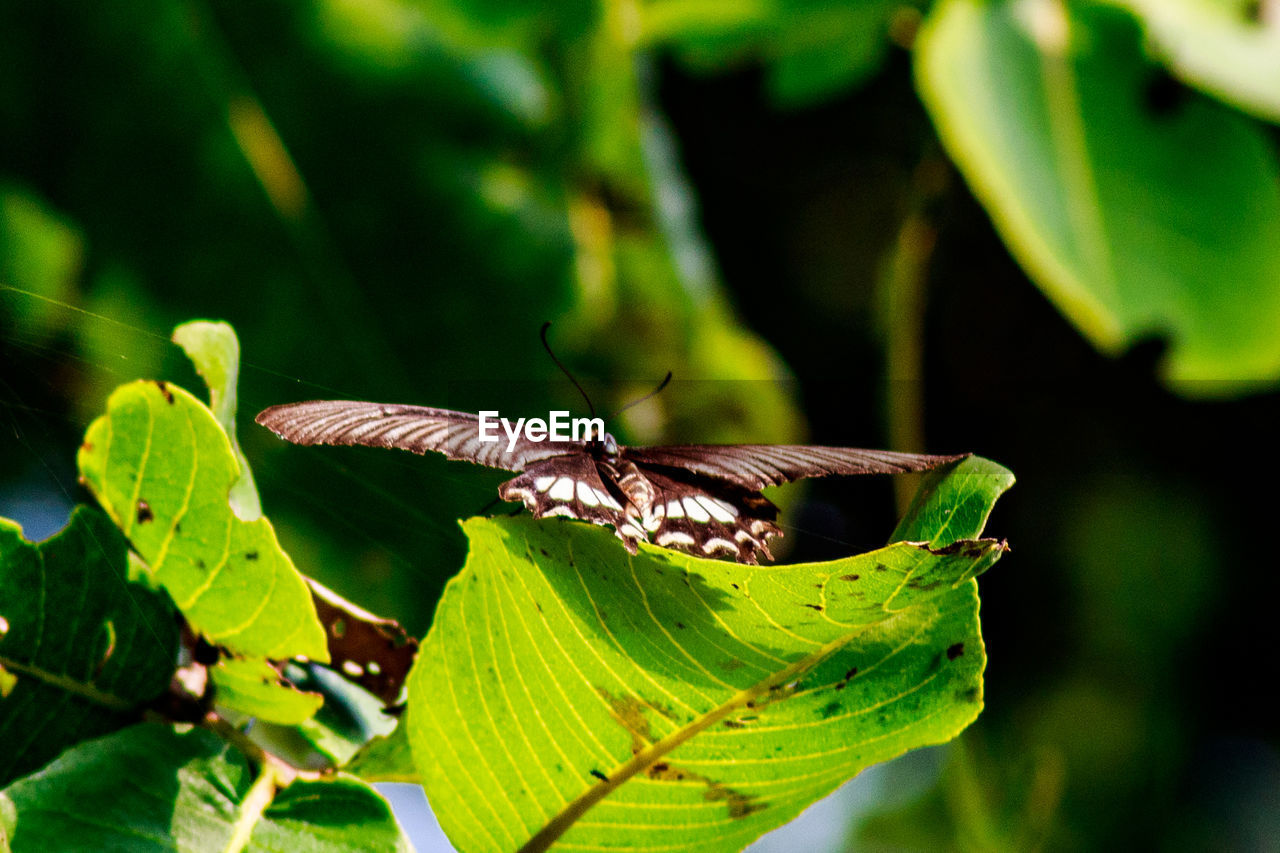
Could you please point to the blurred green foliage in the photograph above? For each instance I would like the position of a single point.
(388, 198)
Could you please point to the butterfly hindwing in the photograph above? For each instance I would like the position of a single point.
(572, 487)
(708, 518)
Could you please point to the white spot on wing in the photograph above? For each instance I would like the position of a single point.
(695, 510)
(674, 510)
(562, 490)
(675, 537)
(587, 495)
(713, 506)
(559, 509)
(718, 544)
(543, 483)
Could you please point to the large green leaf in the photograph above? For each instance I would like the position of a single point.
(151, 788)
(84, 646)
(662, 701)
(162, 468)
(1135, 218)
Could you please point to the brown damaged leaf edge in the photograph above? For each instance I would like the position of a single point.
(373, 652)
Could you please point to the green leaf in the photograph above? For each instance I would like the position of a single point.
(162, 467)
(1218, 46)
(386, 758)
(253, 686)
(83, 646)
(215, 351)
(569, 690)
(1135, 219)
(953, 503)
(152, 788)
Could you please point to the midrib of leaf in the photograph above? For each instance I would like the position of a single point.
(648, 756)
(250, 811)
(66, 683)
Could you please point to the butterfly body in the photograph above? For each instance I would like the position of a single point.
(703, 499)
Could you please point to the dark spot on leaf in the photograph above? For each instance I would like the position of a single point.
(87, 447)
(735, 586)
(734, 724)
(144, 512)
(830, 710)
(177, 528)
(818, 586)
(848, 676)
(252, 555)
(955, 651)
(817, 607)
(970, 695)
(537, 605)
(164, 389)
(881, 567)
(596, 773)
(848, 577)
(680, 625)
(199, 564)
(545, 552)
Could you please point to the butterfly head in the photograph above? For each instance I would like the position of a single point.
(606, 447)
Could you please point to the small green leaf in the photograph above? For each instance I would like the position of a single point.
(567, 690)
(253, 687)
(82, 646)
(215, 351)
(151, 788)
(953, 503)
(386, 758)
(1136, 218)
(162, 468)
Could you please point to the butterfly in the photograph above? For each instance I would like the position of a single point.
(704, 499)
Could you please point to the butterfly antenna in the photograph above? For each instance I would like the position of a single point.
(563, 369)
(653, 393)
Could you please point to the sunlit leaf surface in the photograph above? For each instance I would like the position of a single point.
(569, 691)
(1130, 211)
(85, 646)
(162, 468)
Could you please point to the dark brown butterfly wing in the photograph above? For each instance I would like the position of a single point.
(576, 487)
(413, 428)
(708, 518)
(754, 466)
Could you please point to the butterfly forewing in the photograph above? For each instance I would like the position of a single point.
(754, 466)
(413, 428)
